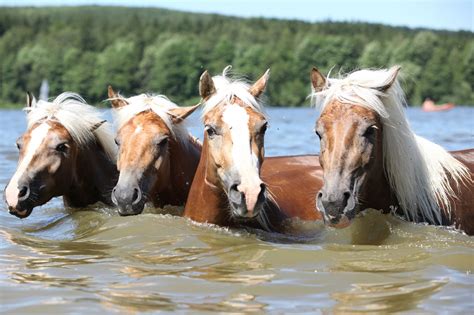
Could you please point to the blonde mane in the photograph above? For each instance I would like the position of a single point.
(83, 122)
(418, 170)
(227, 88)
(158, 104)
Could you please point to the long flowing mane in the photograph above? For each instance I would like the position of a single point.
(83, 122)
(227, 88)
(159, 104)
(419, 171)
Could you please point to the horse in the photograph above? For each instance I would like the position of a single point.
(227, 189)
(372, 158)
(157, 156)
(68, 150)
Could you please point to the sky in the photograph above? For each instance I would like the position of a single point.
(435, 14)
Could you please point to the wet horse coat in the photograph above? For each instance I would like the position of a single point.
(68, 151)
(372, 158)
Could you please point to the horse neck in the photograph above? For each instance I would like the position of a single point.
(184, 160)
(94, 177)
(207, 202)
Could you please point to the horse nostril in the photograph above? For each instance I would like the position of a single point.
(347, 195)
(235, 195)
(23, 193)
(136, 196)
(261, 194)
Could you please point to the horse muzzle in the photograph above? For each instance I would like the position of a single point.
(130, 201)
(244, 203)
(338, 210)
(18, 200)
(20, 213)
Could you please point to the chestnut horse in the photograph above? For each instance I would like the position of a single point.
(157, 156)
(372, 159)
(68, 150)
(227, 189)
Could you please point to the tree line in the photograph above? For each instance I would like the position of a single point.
(83, 49)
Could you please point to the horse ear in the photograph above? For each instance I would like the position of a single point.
(259, 86)
(318, 81)
(96, 126)
(115, 100)
(179, 114)
(206, 85)
(392, 74)
(30, 99)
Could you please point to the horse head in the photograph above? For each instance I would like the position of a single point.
(350, 143)
(49, 149)
(147, 128)
(235, 128)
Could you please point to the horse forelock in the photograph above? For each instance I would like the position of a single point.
(83, 122)
(419, 171)
(228, 90)
(159, 105)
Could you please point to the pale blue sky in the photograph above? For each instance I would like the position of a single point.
(436, 14)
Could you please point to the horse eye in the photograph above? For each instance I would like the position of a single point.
(264, 127)
(211, 132)
(370, 132)
(62, 147)
(19, 142)
(163, 141)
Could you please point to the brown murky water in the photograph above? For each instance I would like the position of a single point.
(93, 261)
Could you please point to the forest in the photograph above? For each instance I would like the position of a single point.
(83, 49)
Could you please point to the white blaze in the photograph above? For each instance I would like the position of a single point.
(37, 137)
(244, 160)
(138, 130)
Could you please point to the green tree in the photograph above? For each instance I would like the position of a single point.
(79, 75)
(373, 55)
(437, 83)
(116, 65)
(173, 67)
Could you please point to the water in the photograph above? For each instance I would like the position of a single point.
(94, 261)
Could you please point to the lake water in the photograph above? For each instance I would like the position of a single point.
(94, 261)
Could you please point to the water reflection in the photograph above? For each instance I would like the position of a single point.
(387, 261)
(132, 301)
(233, 261)
(155, 262)
(387, 297)
(47, 280)
(240, 303)
(94, 250)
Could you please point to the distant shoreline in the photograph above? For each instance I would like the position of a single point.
(138, 50)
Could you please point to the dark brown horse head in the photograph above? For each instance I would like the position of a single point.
(48, 151)
(234, 140)
(146, 127)
(350, 142)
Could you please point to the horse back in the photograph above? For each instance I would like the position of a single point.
(464, 202)
(294, 181)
